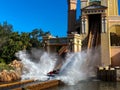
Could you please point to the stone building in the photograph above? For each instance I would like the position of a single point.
(98, 26)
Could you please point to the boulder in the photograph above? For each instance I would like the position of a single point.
(14, 75)
(5, 76)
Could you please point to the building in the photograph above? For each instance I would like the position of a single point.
(98, 26)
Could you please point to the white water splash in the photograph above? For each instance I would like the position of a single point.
(36, 70)
(77, 66)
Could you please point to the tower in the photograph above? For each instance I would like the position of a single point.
(71, 15)
(98, 19)
(112, 7)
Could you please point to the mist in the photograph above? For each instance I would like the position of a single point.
(77, 66)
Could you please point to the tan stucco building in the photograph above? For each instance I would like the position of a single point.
(98, 26)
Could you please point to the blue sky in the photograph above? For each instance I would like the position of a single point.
(26, 15)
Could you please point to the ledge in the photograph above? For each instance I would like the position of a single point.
(41, 85)
(16, 83)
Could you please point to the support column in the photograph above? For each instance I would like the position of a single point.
(74, 42)
(104, 24)
(45, 42)
(79, 45)
(105, 49)
(84, 24)
(75, 45)
(105, 43)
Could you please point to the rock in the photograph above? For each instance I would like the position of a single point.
(5, 76)
(17, 65)
(14, 75)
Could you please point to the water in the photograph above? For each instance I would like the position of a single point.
(89, 85)
(77, 66)
(36, 70)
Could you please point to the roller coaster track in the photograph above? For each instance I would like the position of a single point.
(94, 35)
(62, 49)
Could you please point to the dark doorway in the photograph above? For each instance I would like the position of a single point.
(94, 30)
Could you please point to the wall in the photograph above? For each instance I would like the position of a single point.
(115, 55)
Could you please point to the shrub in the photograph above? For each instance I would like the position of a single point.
(5, 66)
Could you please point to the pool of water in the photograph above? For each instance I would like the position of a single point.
(89, 85)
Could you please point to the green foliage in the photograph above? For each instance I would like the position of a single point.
(2, 60)
(4, 66)
(12, 42)
(36, 37)
(5, 30)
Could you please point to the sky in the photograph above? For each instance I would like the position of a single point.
(26, 15)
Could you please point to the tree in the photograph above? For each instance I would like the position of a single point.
(5, 31)
(15, 43)
(36, 37)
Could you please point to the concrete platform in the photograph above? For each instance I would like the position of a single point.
(41, 85)
(15, 83)
(30, 85)
(108, 74)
